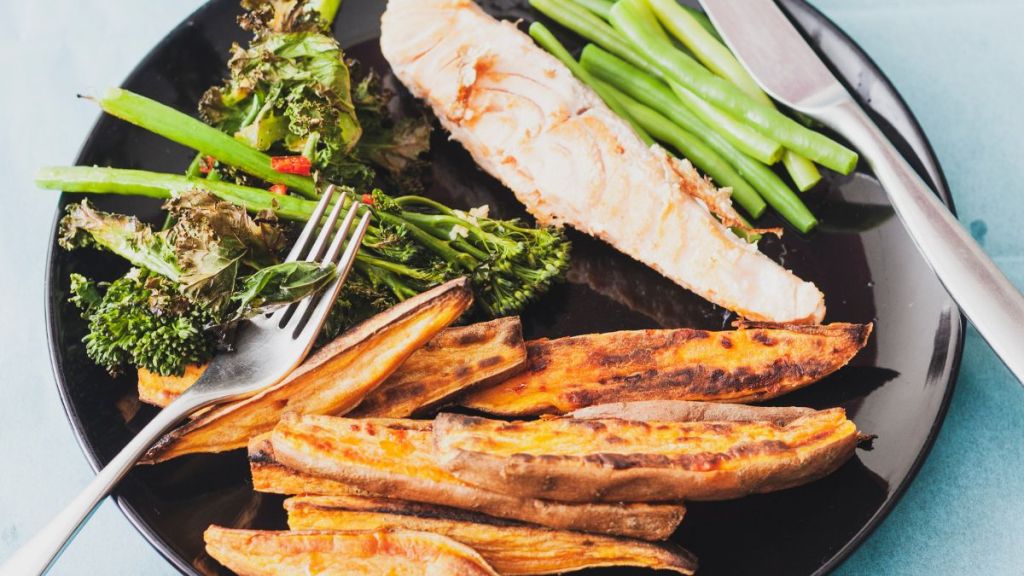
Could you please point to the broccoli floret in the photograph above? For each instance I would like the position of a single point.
(141, 319)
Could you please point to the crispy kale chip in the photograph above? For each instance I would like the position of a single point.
(291, 92)
(281, 284)
(201, 251)
(214, 266)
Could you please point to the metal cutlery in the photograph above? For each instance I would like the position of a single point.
(267, 349)
(787, 68)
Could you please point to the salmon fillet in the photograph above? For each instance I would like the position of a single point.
(527, 121)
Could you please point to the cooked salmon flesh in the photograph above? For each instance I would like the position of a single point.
(527, 121)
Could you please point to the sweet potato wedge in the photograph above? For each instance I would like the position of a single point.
(755, 362)
(610, 459)
(688, 411)
(395, 459)
(510, 548)
(269, 475)
(333, 381)
(403, 553)
(162, 390)
(457, 358)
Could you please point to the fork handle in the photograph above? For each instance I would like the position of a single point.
(984, 294)
(38, 554)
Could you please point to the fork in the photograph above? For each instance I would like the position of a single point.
(267, 349)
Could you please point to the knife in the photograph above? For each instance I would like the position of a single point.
(787, 68)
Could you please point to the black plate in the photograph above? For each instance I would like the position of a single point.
(898, 388)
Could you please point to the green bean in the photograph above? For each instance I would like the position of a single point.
(710, 51)
(599, 7)
(547, 41)
(156, 185)
(743, 137)
(636, 22)
(694, 150)
(186, 130)
(803, 172)
(573, 16)
(588, 25)
(650, 91)
(703, 20)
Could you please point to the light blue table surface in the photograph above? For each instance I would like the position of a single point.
(959, 64)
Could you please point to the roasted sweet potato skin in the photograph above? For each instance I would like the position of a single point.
(510, 548)
(689, 411)
(610, 459)
(454, 360)
(270, 476)
(327, 553)
(395, 458)
(334, 380)
(753, 363)
(162, 390)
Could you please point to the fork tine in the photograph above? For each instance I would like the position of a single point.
(283, 317)
(307, 231)
(317, 250)
(315, 313)
(300, 310)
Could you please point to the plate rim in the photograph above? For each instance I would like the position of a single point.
(935, 175)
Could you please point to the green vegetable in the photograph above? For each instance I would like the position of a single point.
(588, 25)
(291, 88)
(635, 21)
(803, 172)
(281, 284)
(703, 20)
(743, 137)
(547, 40)
(685, 27)
(396, 146)
(142, 320)
(653, 93)
(413, 244)
(290, 14)
(709, 49)
(165, 186)
(291, 92)
(184, 129)
(600, 7)
(201, 252)
(694, 150)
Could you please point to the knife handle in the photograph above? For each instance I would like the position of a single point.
(984, 294)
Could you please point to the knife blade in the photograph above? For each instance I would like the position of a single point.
(787, 68)
(773, 51)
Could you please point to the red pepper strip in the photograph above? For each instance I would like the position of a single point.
(299, 165)
(279, 189)
(206, 164)
(367, 199)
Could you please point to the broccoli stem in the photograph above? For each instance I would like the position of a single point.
(547, 41)
(183, 129)
(635, 21)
